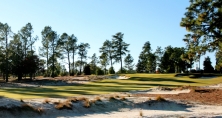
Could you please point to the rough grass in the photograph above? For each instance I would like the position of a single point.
(135, 82)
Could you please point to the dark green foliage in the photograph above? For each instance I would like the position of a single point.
(171, 60)
(129, 62)
(93, 63)
(5, 32)
(82, 53)
(147, 60)
(111, 70)
(104, 62)
(99, 71)
(107, 51)
(208, 68)
(86, 69)
(218, 66)
(124, 71)
(119, 48)
(203, 21)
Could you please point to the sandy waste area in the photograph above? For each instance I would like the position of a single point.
(133, 104)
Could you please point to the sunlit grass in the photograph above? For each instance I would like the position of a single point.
(135, 82)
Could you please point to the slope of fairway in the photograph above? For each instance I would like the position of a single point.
(135, 82)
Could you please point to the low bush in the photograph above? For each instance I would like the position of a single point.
(99, 71)
(111, 70)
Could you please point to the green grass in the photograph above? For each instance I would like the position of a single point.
(136, 82)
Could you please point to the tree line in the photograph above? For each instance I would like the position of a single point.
(18, 56)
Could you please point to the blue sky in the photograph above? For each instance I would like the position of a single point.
(94, 21)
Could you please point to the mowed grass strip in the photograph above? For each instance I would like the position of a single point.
(135, 82)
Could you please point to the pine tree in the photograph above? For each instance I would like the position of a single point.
(5, 32)
(208, 68)
(120, 48)
(83, 53)
(129, 62)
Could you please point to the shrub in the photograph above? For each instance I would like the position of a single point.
(111, 70)
(99, 71)
(86, 70)
(123, 71)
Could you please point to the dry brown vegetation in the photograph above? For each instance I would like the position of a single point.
(29, 107)
(73, 99)
(82, 99)
(63, 105)
(97, 98)
(112, 98)
(46, 101)
(160, 98)
(122, 98)
(141, 113)
(86, 103)
(21, 100)
(197, 94)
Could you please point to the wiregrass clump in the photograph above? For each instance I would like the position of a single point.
(159, 98)
(122, 98)
(98, 98)
(46, 101)
(21, 100)
(86, 103)
(112, 98)
(29, 107)
(141, 113)
(73, 99)
(82, 99)
(63, 105)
